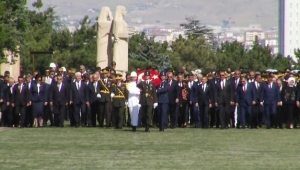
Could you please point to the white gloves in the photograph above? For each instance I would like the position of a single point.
(112, 95)
(98, 95)
(155, 105)
(139, 105)
(126, 103)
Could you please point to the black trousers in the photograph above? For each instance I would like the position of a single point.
(281, 117)
(214, 117)
(105, 113)
(204, 115)
(119, 116)
(289, 110)
(29, 116)
(191, 111)
(173, 114)
(9, 116)
(95, 113)
(224, 111)
(88, 115)
(147, 115)
(184, 113)
(59, 115)
(71, 115)
(77, 108)
(48, 110)
(21, 110)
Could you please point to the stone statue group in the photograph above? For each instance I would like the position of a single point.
(112, 39)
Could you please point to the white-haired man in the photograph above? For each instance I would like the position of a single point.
(133, 100)
(79, 97)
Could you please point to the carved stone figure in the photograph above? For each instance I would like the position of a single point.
(104, 42)
(121, 34)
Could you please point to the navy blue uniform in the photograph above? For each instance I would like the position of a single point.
(163, 103)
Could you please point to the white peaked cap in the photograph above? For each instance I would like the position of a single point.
(52, 65)
(133, 74)
(64, 68)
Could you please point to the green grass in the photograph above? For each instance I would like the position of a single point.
(95, 148)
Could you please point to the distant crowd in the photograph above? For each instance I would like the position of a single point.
(220, 99)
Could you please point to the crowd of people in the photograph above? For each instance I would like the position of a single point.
(221, 99)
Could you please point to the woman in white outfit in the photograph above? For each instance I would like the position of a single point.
(133, 100)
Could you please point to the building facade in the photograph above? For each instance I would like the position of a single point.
(289, 27)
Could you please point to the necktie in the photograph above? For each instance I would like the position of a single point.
(170, 85)
(11, 91)
(95, 86)
(77, 85)
(20, 88)
(244, 88)
(38, 89)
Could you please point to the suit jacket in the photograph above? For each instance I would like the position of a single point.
(172, 91)
(225, 95)
(245, 98)
(163, 92)
(235, 84)
(9, 94)
(59, 97)
(205, 96)
(79, 96)
(21, 96)
(258, 91)
(148, 94)
(190, 89)
(194, 91)
(38, 96)
(270, 96)
(92, 93)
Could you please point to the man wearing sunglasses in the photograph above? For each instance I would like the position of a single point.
(225, 97)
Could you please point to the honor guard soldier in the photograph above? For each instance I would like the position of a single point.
(148, 99)
(163, 101)
(119, 92)
(105, 99)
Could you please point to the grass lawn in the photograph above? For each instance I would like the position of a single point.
(95, 148)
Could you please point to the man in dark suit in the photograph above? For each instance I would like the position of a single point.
(105, 99)
(245, 98)
(236, 82)
(224, 99)
(148, 99)
(59, 101)
(214, 112)
(29, 118)
(21, 98)
(204, 99)
(191, 81)
(94, 90)
(12, 118)
(173, 99)
(163, 101)
(48, 110)
(120, 97)
(270, 99)
(79, 97)
(257, 109)
(280, 112)
(4, 86)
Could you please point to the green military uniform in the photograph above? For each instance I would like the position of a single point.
(148, 97)
(105, 100)
(118, 102)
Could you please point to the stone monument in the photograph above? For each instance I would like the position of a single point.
(104, 40)
(121, 35)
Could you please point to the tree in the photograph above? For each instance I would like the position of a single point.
(147, 53)
(194, 29)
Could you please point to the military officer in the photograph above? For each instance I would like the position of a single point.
(105, 99)
(148, 99)
(163, 101)
(119, 99)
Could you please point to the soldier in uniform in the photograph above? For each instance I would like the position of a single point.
(105, 99)
(163, 101)
(148, 99)
(120, 96)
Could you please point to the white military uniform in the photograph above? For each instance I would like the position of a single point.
(133, 102)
